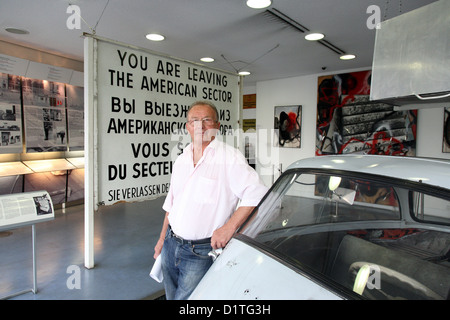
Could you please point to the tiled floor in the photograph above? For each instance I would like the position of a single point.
(125, 235)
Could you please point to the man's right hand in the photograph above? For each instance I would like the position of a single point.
(158, 248)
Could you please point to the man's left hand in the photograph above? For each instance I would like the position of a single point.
(221, 237)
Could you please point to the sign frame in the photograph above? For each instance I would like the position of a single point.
(116, 90)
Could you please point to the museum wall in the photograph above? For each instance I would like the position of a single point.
(66, 184)
(41, 124)
(303, 90)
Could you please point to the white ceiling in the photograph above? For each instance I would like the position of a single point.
(237, 36)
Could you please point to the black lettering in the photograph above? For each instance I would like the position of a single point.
(122, 58)
(168, 69)
(133, 60)
(125, 106)
(217, 95)
(114, 172)
(120, 79)
(168, 86)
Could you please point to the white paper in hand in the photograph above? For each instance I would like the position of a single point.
(156, 272)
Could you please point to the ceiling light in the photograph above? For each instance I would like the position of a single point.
(244, 73)
(314, 36)
(347, 57)
(207, 59)
(258, 4)
(154, 37)
(17, 31)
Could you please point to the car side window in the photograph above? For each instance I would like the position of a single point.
(428, 208)
(310, 199)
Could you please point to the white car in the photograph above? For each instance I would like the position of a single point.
(343, 227)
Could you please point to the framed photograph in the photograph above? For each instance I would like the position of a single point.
(348, 122)
(287, 124)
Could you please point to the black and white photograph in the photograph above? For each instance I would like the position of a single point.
(43, 204)
(10, 114)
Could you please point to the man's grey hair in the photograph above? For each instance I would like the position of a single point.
(204, 103)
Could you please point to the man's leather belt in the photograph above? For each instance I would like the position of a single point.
(184, 241)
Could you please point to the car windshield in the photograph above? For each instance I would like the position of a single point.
(337, 227)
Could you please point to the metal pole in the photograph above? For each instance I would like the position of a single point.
(33, 241)
(34, 289)
(89, 145)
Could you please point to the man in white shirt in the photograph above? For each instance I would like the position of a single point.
(208, 180)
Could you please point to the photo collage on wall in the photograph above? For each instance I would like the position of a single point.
(45, 125)
(347, 122)
(38, 116)
(75, 117)
(45, 115)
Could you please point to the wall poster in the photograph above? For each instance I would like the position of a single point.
(249, 101)
(10, 114)
(75, 117)
(45, 115)
(347, 122)
(287, 124)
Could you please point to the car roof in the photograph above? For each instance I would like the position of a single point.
(430, 171)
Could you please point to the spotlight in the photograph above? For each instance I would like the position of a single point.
(314, 36)
(258, 4)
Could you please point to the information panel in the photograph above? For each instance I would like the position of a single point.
(142, 103)
(21, 209)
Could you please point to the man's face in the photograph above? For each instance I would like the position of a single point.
(202, 124)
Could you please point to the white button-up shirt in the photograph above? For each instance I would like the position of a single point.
(201, 199)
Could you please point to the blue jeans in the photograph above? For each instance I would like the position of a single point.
(183, 266)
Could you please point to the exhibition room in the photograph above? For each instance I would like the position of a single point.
(225, 150)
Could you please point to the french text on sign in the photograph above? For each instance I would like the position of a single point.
(150, 149)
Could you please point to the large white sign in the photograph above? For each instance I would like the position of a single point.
(142, 105)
